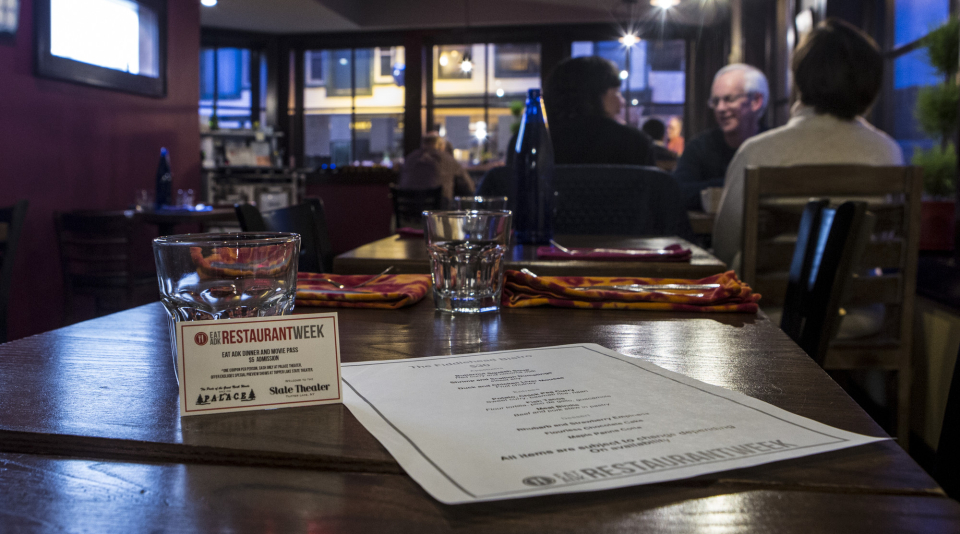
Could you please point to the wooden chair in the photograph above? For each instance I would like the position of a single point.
(774, 198)
(947, 471)
(829, 241)
(11, 226)
(97, 260)
(409, 204)
(618, 200)
(307, 219)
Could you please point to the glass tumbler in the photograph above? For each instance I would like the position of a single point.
(226, 276)
(480, 203)
(466, 258)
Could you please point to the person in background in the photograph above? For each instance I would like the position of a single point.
(738, 99)
(433, 165)
(583, 101)
(665, 158)
(838, 72)
(674, 137)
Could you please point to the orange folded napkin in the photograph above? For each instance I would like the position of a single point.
(387, 292)
(244, 263)
(522, 290)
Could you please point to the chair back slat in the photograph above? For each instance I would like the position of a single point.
(12, 220)
(307, 219)
(409, 204)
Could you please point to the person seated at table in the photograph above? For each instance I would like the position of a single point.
(666, 159)
(583, 101)
(674, 137)
(738, 98)
(838, 72)
(432, 165)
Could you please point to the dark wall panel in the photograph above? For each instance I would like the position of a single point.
(65, 146)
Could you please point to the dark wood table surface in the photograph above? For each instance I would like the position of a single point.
(168, 220)
(91, 438)
(408, 255)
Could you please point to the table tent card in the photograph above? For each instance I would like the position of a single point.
(521, 423)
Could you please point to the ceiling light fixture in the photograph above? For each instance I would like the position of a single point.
(208, 3)
(664, 4)
(629, 39)
(466, 65)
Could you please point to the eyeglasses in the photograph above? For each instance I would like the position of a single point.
(729, 100)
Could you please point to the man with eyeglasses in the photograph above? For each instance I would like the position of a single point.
(738, 99)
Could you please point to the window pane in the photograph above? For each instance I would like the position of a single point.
(114, 34)
(915, 18)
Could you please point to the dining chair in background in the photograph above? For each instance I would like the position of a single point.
(307, 219)
(885, 279)
(97, 259)
(829, 244)
(11, 227)
(409, 204)
(498, 182)
(618, 200)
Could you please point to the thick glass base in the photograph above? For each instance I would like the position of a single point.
(466, 305)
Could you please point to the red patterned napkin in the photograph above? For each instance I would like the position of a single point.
(670, 253)
(522, 290)
(387, 292)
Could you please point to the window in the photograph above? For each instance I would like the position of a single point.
(353, 106)
(477, 111)
(226, 87)
(116, 44)
(9, 10)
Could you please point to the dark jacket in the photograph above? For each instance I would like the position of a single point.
(593, 140)
(703, 164)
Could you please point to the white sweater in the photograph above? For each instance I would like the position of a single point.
(807, 139)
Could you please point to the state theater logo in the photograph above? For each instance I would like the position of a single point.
(200, 338)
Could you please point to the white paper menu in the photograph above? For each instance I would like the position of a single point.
(502, 425)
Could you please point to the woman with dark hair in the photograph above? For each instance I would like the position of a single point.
(582, 97)
(838, 72)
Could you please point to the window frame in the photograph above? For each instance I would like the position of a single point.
(46, 65)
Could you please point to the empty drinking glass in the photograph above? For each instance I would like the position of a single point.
(466, 258)
(225, 276)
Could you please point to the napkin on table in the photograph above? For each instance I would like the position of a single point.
(407, 231)
(521, 290)
(387, 292)
(669, 253)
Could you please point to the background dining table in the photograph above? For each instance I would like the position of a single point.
(408, 255)
(91, 438)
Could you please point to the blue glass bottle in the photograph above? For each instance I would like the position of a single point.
(533, 186)
(164, 181)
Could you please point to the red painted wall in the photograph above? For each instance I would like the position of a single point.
(65, 146)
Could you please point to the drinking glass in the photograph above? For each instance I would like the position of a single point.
(466, 258)
(480, 203)
(225, 276)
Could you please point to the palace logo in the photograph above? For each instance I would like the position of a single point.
(200, 338)
(539, 481)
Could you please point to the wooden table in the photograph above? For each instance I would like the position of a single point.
(91, 438)
(408, 255)
(167, 220)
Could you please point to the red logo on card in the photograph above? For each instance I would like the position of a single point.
(200, 338)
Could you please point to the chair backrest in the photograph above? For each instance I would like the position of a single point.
(618, 200)
(497, 182)
(11, 227)
(947, 470)
(886, 276)
(306, 219)
(829, 242)
(249, 217)
(95, 247)
(409, 204)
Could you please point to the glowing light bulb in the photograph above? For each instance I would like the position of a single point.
(664, 4)
(634, 101)
(444, 60)
(500, 92)
(466, 65)
(343, 61)
(208, 3)
(624, 74)
(629, 39)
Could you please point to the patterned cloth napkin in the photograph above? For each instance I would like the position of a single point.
(670, 253)
(387, 292)
(522, 290)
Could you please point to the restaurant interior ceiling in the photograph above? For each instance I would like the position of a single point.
(315, 16)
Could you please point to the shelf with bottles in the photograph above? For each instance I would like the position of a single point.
(253, 148)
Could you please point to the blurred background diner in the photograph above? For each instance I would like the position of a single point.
(351, 115)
